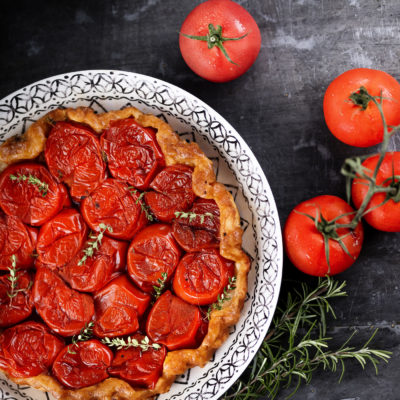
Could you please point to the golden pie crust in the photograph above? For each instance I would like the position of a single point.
(176, 151)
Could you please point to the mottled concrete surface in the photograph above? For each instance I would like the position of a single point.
(276, 106)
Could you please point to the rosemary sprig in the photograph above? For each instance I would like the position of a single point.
(192, 215)
(120, 343)
(222, 298)
(95, 243)
(33, 180)
(296, 345)
(85, 334)
(158, 289)
(145, 208)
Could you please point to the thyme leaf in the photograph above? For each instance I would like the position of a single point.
(33, 180)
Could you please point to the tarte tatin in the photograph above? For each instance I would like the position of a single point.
(116, 246)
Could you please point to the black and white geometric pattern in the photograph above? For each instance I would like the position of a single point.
(234, 165)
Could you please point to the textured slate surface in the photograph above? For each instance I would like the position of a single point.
(276, 106)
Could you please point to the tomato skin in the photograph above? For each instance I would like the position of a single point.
(114, 205)
(173, 322)
(211, 64)
(64, 310)
(133, 153)
(16, 239)
(73, 156)
(386, 217)
(201, 277)
(19, 307)
(24, 200)
(118, 306)
(197, 234)
(108, 261)
(347, 121)
(140, 369)
(28, 349)
(85, 364)
(304, 244)
(152, 252)
(61, 238)
(172, 192)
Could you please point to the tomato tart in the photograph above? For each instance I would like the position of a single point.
(121, 256)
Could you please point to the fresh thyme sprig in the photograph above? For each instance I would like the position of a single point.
(120, 343)
(192, 215)
(13, 278)
(145, 208)
(95, 243)
(85, 334)
(222, 298)
(33, 180)
(296, 345)
(158, 289)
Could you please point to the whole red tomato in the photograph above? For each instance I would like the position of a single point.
(349, 112)
(219, 40)
(304, 242)
(385, 217)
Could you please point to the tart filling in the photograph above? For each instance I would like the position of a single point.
(125, 273)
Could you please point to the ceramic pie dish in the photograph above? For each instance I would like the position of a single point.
(235, 167)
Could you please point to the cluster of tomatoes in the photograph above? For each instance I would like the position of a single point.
(324, 235)
(89, 232)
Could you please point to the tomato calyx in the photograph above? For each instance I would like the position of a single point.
(215, 38)
(361, 98)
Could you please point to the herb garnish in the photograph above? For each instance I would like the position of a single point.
(222, 298)
(120, 343)
(145, 208)
(192, 215)
(158, 289)
(85, 334)
(95, 243)
(33, 180)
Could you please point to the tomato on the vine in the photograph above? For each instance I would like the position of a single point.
(384, 207)
(311, 225)
(219, 40)
(351, 114)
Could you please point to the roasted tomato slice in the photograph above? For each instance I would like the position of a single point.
(82, 364)
(139, 368)
(64, 310)
(133, 154)
(28, 191)
(16, 239)
(152, 252)
(173, 322)
(73, 156)
(28, 349)
(199, 228)
(61, 238)
(15, 305)
(117, 308)
(200, 277)
(172, 192)
(90, 275)
(114, 205)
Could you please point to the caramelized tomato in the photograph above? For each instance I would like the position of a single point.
(201, 277)
(172, 192)
(73, 156)
(83, 364)
(61, 238)
(33, 203)
(152, 252)
(117, 308)
(133, 154)
(173, 322)
(200, 231)
(16, 239)
(114, 205)
(15, 306)
(139, 368)
(107, 262)
(28, 349)
(64, 310)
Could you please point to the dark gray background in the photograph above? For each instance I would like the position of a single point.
(276, 106)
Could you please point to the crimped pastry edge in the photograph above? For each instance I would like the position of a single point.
(176, 151)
